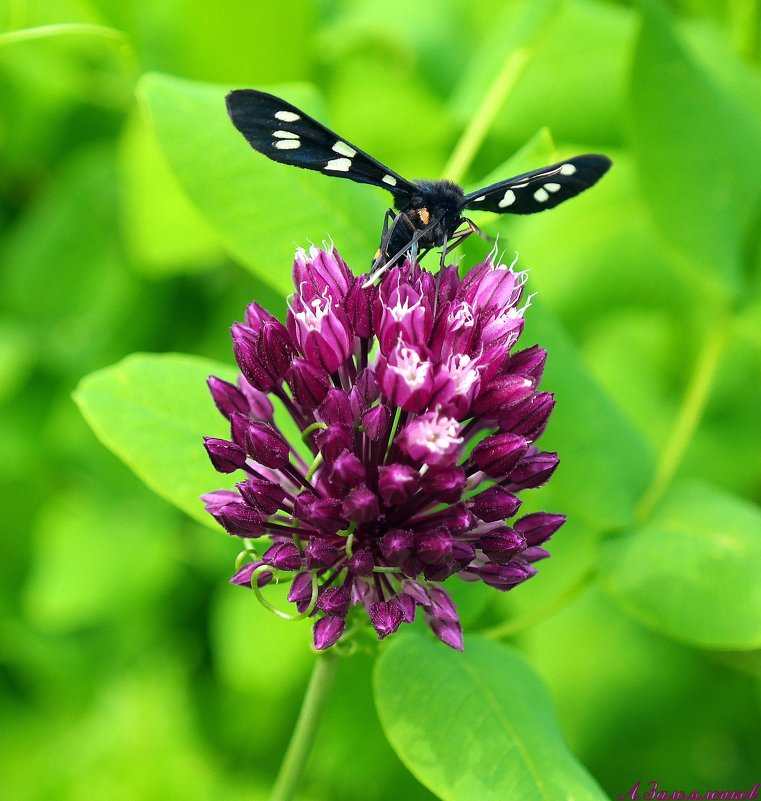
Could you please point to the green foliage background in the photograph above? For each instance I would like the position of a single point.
(134, 218)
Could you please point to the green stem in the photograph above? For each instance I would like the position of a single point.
(303, 733)
(482, 120)
(528, 28)
(511, 627)
(61, 29)
(693, 406)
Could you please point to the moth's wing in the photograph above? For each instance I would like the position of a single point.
(286, 134)
(540, 189)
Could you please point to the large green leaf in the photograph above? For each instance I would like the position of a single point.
(152, 411)
(692, 572)
(262, 210)
(605, 463)
(692, 142)
(475, 725)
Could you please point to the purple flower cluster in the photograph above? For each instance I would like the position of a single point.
(421, 426)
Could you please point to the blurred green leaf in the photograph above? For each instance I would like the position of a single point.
(692, 571)
(475, 725)
(261, 209)
(96, 558)
(152, 411)
(692, 142)
(605, 464)
(163, 230)
(62, 269)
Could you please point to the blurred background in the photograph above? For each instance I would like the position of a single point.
(129, 669)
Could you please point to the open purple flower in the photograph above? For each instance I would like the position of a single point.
(386, 495)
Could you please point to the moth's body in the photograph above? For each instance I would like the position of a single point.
(429, 212)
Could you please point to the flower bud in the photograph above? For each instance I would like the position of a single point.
(321, 271)
(262, 494)
(498, 454)
(539, 526)
(500, 393)
(361, 505)
(501, 545)
(227, 397)
(244, 575)
(505, 577)
(335, 408)
(359, 307)
(225, 456)
(396, 483)
(377, 422)
(386, 617)
(396, 545)
(346, 471)
(239, 519)
(361, 563)
(495, 503)
(327, 631)
(529, 363)
(533, 470)
(283, 556)
(528, 417)
(309, 384)
(334, 601)
(267, 446)
(259, 405)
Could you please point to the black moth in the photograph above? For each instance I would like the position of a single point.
(430, 212)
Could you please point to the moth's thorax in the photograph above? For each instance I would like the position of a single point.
(435, 196)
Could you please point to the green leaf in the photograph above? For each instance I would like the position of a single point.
(262, 210)
(692, 571)
(692, 142)
(152, 411)
(165, 232)
(605, 464)
(475, 725)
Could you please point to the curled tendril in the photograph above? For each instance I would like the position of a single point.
(270, 607)
(247, 554)
(309, 430)
(315, 465)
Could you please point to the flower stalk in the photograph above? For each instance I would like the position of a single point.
(304, 731)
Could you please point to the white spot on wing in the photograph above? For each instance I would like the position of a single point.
(287, 144)
(285, 135)
(567, 169)
(344, 149)
(479, 199)
(552, 187)
(507, 200)
(389, 179)
(540, 195)
(286, 116)
(340, 165)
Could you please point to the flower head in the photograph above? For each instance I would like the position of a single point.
(418, 424)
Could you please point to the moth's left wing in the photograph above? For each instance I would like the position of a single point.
(540, 189)
(286, 134)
